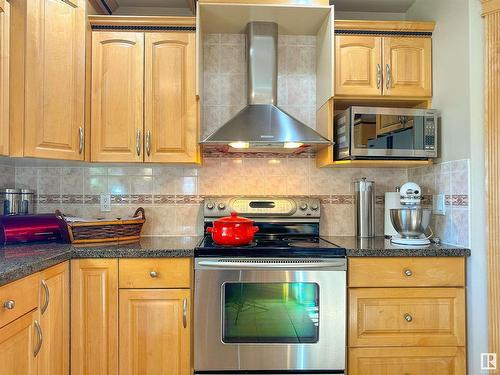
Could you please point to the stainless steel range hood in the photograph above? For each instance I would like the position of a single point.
(261, 126)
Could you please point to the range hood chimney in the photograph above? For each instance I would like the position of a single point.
(261, 126)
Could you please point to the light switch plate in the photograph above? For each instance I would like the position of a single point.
(105, 202)
(438, 204)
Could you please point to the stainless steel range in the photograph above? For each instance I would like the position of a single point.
(278, 304)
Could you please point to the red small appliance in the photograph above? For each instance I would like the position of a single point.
(233, 230)
(32, 228)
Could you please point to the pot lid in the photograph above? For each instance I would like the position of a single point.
(234, 219)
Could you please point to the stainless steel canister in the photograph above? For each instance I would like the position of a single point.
(11, 201)
(365, 207)
(27, 201)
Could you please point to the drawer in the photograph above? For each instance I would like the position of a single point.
(406, 271)
(22, 295)
(414, 361)
(154, 273)
(406, 317)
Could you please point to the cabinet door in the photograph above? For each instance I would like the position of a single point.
(4, 76)
(414, 361)
(358, 69)
(54, 320)
(17, 344)
(171, 119)
(155, 332)
(94, 317)
(408, 67)
(55, 79)
(117, 96)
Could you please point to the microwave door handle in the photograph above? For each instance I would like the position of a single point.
(270, 265)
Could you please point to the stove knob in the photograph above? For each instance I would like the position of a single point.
(303, 206)
(221, 206)
(314, 207)
(210, 205)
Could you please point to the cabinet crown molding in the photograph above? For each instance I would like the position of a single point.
(141, 21)
(401, 26)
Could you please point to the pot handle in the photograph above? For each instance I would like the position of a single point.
(254, 229)
(210, 230)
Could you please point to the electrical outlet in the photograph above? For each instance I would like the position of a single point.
(438, 204)
(105, 202)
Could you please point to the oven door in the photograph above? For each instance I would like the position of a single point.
(270, 314)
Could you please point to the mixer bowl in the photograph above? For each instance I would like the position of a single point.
(410, 222)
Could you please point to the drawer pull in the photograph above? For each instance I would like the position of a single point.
(153, 274)
(408, 318)
(10, 304)
(47, 297)
(408, 272)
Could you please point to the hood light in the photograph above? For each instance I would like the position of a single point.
(293, 144)
(239, 144)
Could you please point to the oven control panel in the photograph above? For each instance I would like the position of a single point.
(290, 207)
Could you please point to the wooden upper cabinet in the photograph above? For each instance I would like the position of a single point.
(17, 344)
(4, 76)
(54, 320)
(171, 120)
(117, 96)
(55, 79)
(94, 317)
(407, 66)
(358, 69)
(155, 332)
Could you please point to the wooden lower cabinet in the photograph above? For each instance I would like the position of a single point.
(54, 320)
(155, 332)
(414, 361)
(94, 317)
(17, 344)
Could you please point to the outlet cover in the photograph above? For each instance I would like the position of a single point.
(105, 202)
(438, 204)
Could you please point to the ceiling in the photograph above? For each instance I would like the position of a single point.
(388, 6)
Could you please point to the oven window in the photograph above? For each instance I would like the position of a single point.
(270, 313)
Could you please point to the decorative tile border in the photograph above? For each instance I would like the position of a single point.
(124, 199)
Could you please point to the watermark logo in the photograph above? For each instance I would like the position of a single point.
(488, 361)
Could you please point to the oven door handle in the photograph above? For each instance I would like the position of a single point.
(270, 265)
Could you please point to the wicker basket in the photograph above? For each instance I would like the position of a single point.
(107, 231)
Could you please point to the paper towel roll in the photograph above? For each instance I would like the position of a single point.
(392, 200)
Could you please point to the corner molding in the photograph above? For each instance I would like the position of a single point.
(105, 6)
(490, 6)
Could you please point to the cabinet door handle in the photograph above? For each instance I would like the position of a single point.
(10, 304)
(47, 296)
(387, 76)
(153, 274)
(184, 312)
(138, 142)
(81, 140)
(40, 338)
(148, 142)
(379, 76)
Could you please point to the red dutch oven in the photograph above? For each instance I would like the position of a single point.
(233, 230)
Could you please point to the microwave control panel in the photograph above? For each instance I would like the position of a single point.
(430, 134)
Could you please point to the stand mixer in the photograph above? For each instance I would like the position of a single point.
(411, 221)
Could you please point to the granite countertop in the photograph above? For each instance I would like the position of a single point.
(381, 247)
(18, 261)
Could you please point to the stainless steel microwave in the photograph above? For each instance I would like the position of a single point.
(379, 132)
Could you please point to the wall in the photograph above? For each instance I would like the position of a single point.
(458, 93)
(377, 16)
(450, 57)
